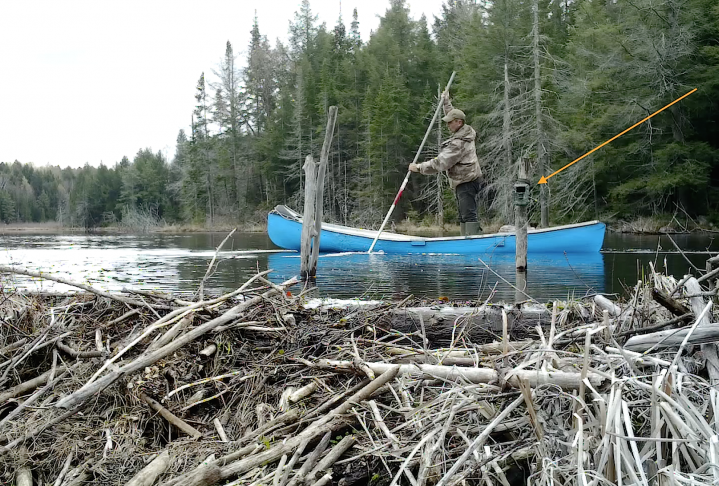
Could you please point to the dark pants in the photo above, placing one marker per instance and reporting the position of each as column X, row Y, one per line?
column 467, row 200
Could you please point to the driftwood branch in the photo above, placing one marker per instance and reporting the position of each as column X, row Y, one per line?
column 149, row 474
column 473, row 375
column 79, row 354
column 211, row 266
column 170, row 417
column 676, row 308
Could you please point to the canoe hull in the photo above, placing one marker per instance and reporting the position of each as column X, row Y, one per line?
column 583, row 238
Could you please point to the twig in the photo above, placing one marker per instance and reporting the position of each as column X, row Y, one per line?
column 682, row 253
column 79, row 354
column 201, row 291
column 220, row 430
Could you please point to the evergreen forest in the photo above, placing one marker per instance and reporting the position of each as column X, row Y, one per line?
column 540, row 80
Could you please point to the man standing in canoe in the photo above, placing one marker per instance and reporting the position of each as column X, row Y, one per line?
column 458, row 157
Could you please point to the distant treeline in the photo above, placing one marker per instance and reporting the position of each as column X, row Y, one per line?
column 540, row 80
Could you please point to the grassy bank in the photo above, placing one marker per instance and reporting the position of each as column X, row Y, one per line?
column 35, row 228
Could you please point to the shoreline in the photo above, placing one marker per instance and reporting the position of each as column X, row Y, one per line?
column 639, row 227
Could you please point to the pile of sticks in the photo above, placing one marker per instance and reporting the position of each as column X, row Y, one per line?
column 253, row 388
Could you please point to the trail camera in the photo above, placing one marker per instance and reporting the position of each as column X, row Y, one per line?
column 521, row 192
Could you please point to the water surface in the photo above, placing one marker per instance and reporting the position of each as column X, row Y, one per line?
column 177, row 263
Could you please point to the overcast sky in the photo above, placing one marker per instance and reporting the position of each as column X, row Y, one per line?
column 88, row 81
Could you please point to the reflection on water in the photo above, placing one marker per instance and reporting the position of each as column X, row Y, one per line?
column 178, row 262
column 463, row 277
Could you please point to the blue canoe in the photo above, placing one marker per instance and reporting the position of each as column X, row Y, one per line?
column 284, row 228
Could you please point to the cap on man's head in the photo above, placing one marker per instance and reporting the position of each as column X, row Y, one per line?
column 454, row 114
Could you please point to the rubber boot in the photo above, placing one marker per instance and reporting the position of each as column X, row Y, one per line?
column 462, row 229
column 473, row 229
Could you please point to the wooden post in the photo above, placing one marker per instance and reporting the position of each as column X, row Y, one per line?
column 520, row 282
column 520, row 223
column 314, row 195
column 308, row 217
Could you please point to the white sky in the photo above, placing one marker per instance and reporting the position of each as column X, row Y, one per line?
column 93, row 80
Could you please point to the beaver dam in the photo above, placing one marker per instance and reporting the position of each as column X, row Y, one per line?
column 256, row 387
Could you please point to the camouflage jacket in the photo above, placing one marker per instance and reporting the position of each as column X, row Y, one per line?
column 458, row 156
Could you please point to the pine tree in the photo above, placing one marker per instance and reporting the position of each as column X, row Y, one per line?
column 228, row 116
column 200, row 154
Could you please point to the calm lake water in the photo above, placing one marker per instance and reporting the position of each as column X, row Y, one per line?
column 177, row 263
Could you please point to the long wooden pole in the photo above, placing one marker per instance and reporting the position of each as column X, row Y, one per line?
column 520, row 223
column 406, row 178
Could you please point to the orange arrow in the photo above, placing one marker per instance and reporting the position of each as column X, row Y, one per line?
column 543, row 180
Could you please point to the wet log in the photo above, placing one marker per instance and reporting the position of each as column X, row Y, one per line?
column 477, row 322
column 662, row 298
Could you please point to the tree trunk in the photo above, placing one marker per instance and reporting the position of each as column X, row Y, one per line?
column 321, row 170
column 541, row 151
column 440, row 199
column 506, row 126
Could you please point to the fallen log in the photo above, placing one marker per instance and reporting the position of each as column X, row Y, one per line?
column 328, row 423
column 22, row 388
column 149, row 474
column 78, row 354
column 707, row 333
column 535, row 378
column 311, row 461
column 665, row 300
column 12, row 347
column 327, row 462
column 606, row 304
